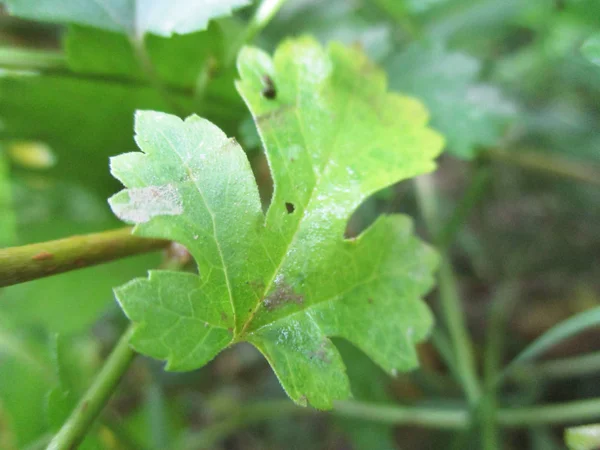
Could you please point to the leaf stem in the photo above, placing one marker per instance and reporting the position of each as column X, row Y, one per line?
column 559, row 368
column 501, row 306
column 449, row 297
column 261, row 18
column 553, row 165
column 77, row 425
column 477, row 187
column 30, row 262
column 28, row 59
column 456, row 418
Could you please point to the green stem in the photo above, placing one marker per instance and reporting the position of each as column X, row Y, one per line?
column 498, row 315
column 77, row 425
column 263, row 15
column 457, row 418
column 570, row 412
column 450, row 301
column 474, row 193
column 560, row 368
column 553, row 165
column 455, row 321
column 26, row 59
column 29, row 262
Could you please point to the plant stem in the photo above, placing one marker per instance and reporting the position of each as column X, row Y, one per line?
column 560, row 368
column 575, row 411
column 29, row 262
column 475, row 191
column 450, row 302
column 27, row 59
column 500, row 308
column 455, row 321
column 263, row 15
column 553, row 165
column 457, row 418
column 77, row 425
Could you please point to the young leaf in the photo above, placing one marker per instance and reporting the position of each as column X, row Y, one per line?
column 288, row 281
column 131, row 17
column 469, row 114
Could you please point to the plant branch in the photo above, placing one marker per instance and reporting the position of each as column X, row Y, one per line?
column 29, row 262
column 77, row 425
column 549, row 164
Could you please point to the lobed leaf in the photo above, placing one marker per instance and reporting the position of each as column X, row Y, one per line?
column 285, row 281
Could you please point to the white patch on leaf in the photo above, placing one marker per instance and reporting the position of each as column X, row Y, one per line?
column 145, row 203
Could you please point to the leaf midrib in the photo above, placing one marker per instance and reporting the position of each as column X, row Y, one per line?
column 212, row 216
column 297, row 110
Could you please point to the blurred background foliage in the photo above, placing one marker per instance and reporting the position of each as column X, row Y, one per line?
column 506, row 81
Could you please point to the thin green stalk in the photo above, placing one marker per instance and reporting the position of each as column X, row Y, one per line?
column 498, row 316
column 157, row 420
column 454, row 317
column 261, row 18
column 30, row 262
column 552, row 165
column 477, row 188
column 78, row 424
column 450, row 302
column 263, row 15
column 457, row 418
column 574, row 366
column 27, row 59
column 561, row 413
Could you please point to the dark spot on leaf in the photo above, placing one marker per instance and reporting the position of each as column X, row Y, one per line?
column 290, row 207
column 269, row 90
column 282, row 295
column 230, row 329
column 42, row 256
column 370, row 301
column 84, row 406
column 223, row 316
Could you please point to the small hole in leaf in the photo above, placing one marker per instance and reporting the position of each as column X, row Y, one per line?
column 269, row 90
column 290, row 207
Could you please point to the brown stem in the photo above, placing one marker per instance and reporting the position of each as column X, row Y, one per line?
column 29, row 262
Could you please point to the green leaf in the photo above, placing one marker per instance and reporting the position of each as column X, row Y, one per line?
column 469, row 114
column 586, row 437
column 131, row 17
column 288, row 281
column 591, row 49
